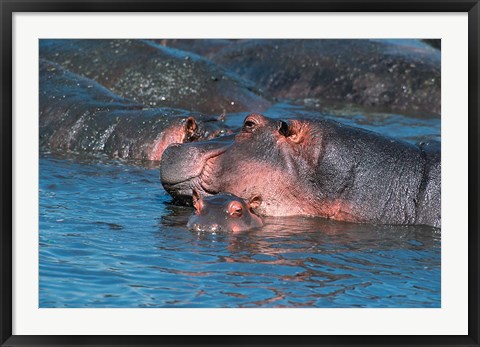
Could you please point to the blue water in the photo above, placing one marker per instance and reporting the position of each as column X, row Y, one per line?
column 110, row 237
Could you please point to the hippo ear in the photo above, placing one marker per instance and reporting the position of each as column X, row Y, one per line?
column 283, row 128
column 291, row 131
column 296, row 134
column 196, row 200
column 254, row 202
column 195, row 195
column 190, row 127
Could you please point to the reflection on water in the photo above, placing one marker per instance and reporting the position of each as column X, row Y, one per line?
column 109, row 237
column 302, row 262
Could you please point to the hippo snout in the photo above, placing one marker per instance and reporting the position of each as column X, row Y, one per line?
column 183, row 162
column 198, row 227
column 173, row 170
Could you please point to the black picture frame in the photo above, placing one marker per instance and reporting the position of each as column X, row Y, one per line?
column 8, row 7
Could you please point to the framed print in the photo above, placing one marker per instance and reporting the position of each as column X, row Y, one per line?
column 239, row 173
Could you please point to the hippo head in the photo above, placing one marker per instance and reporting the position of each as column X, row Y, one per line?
column 224, row 212
column 272, row 158
column 203, row 127
column 184, row 130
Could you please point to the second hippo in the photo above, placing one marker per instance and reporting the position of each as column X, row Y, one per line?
column 224, row 212
column 77, row 114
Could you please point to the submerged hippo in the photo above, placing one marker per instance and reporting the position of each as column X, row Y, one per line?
column 77, row 114
column 386, row 75
column 312, row 167
column 224, row 212
column 156, row 75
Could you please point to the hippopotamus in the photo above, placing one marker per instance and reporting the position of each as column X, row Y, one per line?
column 78, row 114
column 224, row 212
column 155, row 75
column 382, row 75
column 312, row 167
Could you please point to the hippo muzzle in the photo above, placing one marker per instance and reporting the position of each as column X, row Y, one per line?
column 181, row 164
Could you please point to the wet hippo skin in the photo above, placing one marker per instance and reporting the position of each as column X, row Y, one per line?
column 386, row 75
column 224, row 212
column 155, row 75
column 312, row 167
column 77, row 114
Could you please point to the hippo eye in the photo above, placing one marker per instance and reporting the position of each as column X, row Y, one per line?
column 237, row 212
column 249, row 125
column 235, row 209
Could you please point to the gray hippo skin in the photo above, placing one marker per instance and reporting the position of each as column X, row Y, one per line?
column 312, row 167
column 224, row 212
column 77, row 114
column 155, row 75
column 385, row 75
